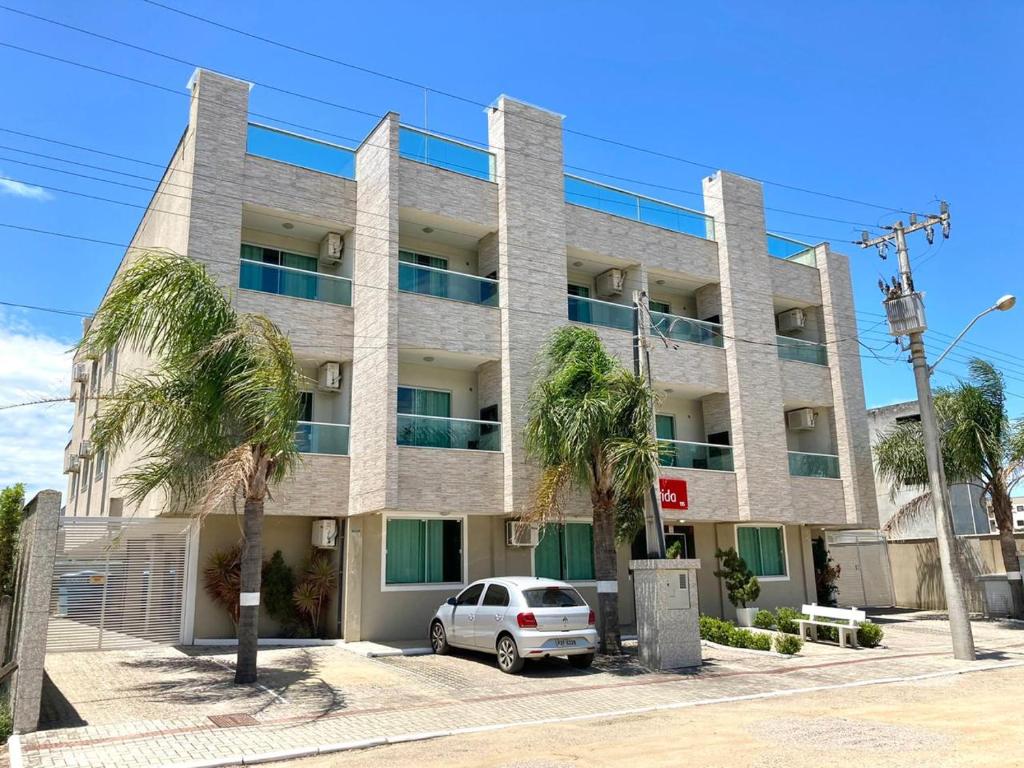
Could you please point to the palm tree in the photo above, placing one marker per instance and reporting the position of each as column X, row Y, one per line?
column 981, row 446
column 215, row 413
column 588, row 426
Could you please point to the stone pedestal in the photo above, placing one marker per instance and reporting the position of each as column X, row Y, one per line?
column 667, row 613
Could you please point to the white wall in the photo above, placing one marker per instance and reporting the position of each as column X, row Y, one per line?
column 461, row 384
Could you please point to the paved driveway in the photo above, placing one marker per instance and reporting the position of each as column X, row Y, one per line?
column 170, row 706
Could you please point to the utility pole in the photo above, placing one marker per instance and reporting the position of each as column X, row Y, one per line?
column 653, row 527
column 904, row 307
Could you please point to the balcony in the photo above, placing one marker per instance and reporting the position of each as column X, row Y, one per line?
column 790, row 250
column 322, row 438
column 686, row 329
column 431, row 149
column 629, row 205
column 596, row 312
column 445, row 284
column 297, row 283
column 802, row 351
column 813, row 464
column 687, row 455
column 447, row 432
column 301, row 151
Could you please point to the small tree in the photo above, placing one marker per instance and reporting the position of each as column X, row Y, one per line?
column 12, row 504
column 741, row 584
column 318, row 581
column 222, row 580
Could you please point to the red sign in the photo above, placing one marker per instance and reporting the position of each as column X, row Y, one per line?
column 673, row 493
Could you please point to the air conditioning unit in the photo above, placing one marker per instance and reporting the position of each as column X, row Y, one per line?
column 72, row 464
column 85, row 449
column 325, row 533
column 791, row 320
column 79, row 372
column 610, row 283
column 800, row 420
column 331, row 248
column 520, row 534
column 329, row 377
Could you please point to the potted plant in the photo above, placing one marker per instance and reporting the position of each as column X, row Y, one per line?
column 741, row 585
column 675, row 550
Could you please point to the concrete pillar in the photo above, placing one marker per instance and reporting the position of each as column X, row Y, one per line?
column 667, row 613
column 352, row 588
column 852, row 438
column 374, row 484
column 527, row 142
column 755, row 379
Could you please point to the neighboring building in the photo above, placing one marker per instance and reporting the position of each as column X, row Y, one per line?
column 1018, row 513
column 457, row 264
column 970, row 514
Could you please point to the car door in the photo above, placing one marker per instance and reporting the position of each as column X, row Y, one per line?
column 464, row 616
column 490, row 616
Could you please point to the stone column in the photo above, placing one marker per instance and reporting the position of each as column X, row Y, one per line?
column 667, row 613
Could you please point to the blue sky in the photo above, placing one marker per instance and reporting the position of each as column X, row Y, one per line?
column 892, row 103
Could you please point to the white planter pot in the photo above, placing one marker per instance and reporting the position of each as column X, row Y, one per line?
column 745, row 616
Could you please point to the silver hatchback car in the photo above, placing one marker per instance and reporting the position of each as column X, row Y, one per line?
column 517, row 618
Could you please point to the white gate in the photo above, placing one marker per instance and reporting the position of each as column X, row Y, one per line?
column 119, row 583
column 866, row 576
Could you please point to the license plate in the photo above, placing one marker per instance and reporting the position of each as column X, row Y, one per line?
column 565, row 643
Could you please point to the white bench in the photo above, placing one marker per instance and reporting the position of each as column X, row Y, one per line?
column 847, row 632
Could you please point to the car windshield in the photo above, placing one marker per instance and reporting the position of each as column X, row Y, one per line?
column 552, row 597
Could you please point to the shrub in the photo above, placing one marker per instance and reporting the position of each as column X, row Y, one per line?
column 760, row 641
column 828, row 632
column 715, row 630
column 787, row 620
column 764, row 619
column 788, row 644
column 12, row 502
column 6, row 722
column 741, row 584
column 869, row 634
column 318, row 582
column 675, row 550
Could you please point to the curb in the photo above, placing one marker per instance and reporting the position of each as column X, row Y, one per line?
column 14, row 754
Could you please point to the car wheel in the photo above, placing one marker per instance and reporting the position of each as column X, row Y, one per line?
column 439, row 639
column 582, row 661
column 509, row 660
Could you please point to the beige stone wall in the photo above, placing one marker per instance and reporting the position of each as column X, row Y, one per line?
column 459, row 198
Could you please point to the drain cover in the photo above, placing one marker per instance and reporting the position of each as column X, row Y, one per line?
column 233, row 721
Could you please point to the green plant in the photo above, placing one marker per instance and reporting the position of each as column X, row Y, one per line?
column 588, row 428
column 216, row 408
column 741, row 584
column 826, row 573
column 715, row 630
column 764, row 619
column 6, row 722
column 277, row 590
column 222, row 579
column 12, row 504
column 674, row 550
column 869, row 634
column 759, row 641
column 318, row 581
column 787, row 620
column 788, row 644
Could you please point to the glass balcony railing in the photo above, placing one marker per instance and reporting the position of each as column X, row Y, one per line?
column 686, row 329
column 813, row 464
column 804, row 351
column 790, row 250
column 429, row 148
column 595, row 312
column 442, row 432
column 291, row 148
column 629, row 205
column 445, row 284
column 318, row 437
column 298, row 283
column 679, row 453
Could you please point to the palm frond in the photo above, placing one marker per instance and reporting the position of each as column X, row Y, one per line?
column 909, row 518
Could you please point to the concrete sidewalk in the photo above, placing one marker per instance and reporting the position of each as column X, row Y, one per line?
column 326, row 699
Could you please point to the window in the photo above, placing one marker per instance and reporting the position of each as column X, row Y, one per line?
column 496, row 595
column 579, row 311
column 565, row 552
column 1020, row 507
column 305, row 406
column 660, row 306
column 101, row 465
column 552, row 597
column 74, row 484
column 470, row 595
column 424, row 432
column 283, row 281
column 763, row 549
column 427, row 281
column 422, row 551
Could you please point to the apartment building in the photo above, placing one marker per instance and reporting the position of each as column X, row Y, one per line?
column 418, row 278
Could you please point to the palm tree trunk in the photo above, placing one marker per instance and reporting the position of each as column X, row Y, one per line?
column 606, row 570
column 249, row 608
column 1002, row 507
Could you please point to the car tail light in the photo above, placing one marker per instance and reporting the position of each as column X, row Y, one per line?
column 591, row 619
column 526, row 621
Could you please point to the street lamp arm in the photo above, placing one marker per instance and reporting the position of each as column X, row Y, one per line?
column 933, row 366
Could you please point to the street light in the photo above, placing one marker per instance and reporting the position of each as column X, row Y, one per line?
column 1005, row 302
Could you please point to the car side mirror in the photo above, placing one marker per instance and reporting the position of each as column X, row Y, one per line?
column 450, row 601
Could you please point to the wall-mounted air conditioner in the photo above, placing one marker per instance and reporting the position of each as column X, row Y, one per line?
column 85, row 449
column 325, row 533
column 72, row 464
column 328, row 377
column 520, row 534
column 800, row 420
column 791, row 320
column 331, row 248
column 610, row 283
column 79, row 372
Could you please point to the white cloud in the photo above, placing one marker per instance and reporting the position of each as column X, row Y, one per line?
column 20, row 189
column 33, row 366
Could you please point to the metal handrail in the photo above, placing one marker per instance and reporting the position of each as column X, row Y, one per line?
column 448, row 271
column 693, row 442
column 425, row 132
column 450, row 418
column 800, row 341
column 307, row 272
column 711, row 326
column 808, row 453
column 601, row 301
column 324, row 424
